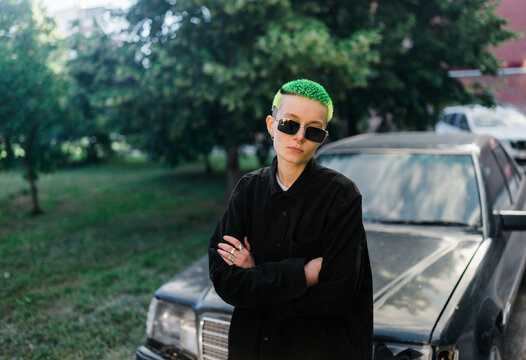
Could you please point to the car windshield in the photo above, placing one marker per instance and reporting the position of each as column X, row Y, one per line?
column 424, row 189
column 498, row 117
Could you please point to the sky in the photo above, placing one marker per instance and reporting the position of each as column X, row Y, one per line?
column 55, row 5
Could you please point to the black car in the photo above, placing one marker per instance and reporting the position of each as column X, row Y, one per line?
column 443, row 215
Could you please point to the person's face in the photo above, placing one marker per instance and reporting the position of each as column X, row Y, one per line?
column 296, row 148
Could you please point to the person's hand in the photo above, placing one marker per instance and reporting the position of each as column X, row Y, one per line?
column 236, row 253
column 312, row 271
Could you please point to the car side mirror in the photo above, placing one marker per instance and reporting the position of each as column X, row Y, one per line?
column 511, row 219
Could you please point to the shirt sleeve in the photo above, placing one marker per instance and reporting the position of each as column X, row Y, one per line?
column 342, row 270
column 266, row 283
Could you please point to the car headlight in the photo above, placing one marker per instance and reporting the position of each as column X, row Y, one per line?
column 172, row 324
column 402, row 351
column 508, row 144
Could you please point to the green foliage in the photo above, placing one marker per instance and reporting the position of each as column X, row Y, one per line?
column 102, row 79
column 212, row 68
column 30, row 90
column 28, row 87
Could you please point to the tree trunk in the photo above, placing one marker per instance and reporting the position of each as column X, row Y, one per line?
column 352, row 128
column 10, row 155
column 31, row 171
column 208, row 165
column 92, row 156
column 232, row 170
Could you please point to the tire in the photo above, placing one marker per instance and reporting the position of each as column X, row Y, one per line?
column 495, row 353
column 495, row 350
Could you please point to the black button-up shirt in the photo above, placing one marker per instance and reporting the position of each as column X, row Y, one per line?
column 276, row 315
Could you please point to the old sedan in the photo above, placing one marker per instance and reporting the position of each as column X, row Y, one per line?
column 444, row 216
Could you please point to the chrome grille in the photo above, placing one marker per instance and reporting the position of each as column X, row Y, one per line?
column 214, row 338
column 518, row 144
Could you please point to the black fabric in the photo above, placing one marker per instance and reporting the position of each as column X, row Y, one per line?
column 276, row 316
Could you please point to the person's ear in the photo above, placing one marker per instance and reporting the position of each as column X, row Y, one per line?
column 270, row 125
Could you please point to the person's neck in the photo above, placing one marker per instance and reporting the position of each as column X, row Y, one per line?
column 289, row 172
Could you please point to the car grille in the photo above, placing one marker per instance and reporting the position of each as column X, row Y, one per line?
column 520, row 144
column 214, row 338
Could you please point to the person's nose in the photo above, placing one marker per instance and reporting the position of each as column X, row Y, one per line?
column 300, row 135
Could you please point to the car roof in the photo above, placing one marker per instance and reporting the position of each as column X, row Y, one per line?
column 473, row 108
column 447, row 143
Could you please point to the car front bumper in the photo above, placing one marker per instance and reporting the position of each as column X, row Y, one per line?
column 143, row 352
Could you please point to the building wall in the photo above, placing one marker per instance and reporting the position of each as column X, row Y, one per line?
column 510, row 86
column 509, row 89
column 513, row 53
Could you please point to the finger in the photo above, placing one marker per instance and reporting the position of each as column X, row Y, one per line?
column 226, row 247
column 228, row 262
column 247, row 244
column 225, row 256
column 232, row 240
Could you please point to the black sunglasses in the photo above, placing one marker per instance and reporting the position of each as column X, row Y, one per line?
column 291, row 127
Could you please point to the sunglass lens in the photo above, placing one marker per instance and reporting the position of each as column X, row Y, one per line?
column 288, row 126
column 314, row 134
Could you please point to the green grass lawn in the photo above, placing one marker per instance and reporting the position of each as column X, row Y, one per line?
column 76, row 282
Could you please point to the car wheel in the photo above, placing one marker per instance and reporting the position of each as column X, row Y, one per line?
column 495, row 353
column 495, row 350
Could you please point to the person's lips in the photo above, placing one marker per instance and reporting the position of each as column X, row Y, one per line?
column 295, row 150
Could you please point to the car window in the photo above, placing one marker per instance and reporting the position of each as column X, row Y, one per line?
column 449, row 119
column 463, row 122
column 412, row 187
column 484, row 117
column 508, row 170
column 498, row 195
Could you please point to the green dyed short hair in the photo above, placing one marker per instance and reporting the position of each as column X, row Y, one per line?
column 306, row 88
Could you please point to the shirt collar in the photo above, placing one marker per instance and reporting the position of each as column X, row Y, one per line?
column 295, row 189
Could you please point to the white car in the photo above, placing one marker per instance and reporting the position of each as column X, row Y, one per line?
column 505, row 123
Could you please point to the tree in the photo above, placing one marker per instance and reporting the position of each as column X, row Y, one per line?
column 29, row 89
column 421, row 42
column 212, row 68
column 102, row 79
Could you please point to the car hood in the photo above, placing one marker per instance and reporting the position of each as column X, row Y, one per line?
column 503, row 132
column 415, row 270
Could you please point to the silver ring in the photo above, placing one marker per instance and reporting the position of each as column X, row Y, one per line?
column 232, row 258
column 233, row 251
column 240, row 247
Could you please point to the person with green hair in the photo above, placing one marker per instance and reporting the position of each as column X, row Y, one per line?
column 290, row 251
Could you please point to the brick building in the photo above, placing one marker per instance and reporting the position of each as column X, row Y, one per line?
column 510, row 86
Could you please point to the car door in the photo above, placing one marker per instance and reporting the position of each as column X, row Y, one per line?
column 514, row 255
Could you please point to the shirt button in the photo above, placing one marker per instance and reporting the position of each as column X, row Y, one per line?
column 284, row 212
column 279, row 245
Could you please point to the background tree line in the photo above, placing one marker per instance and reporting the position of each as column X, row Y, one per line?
column 189, row 75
